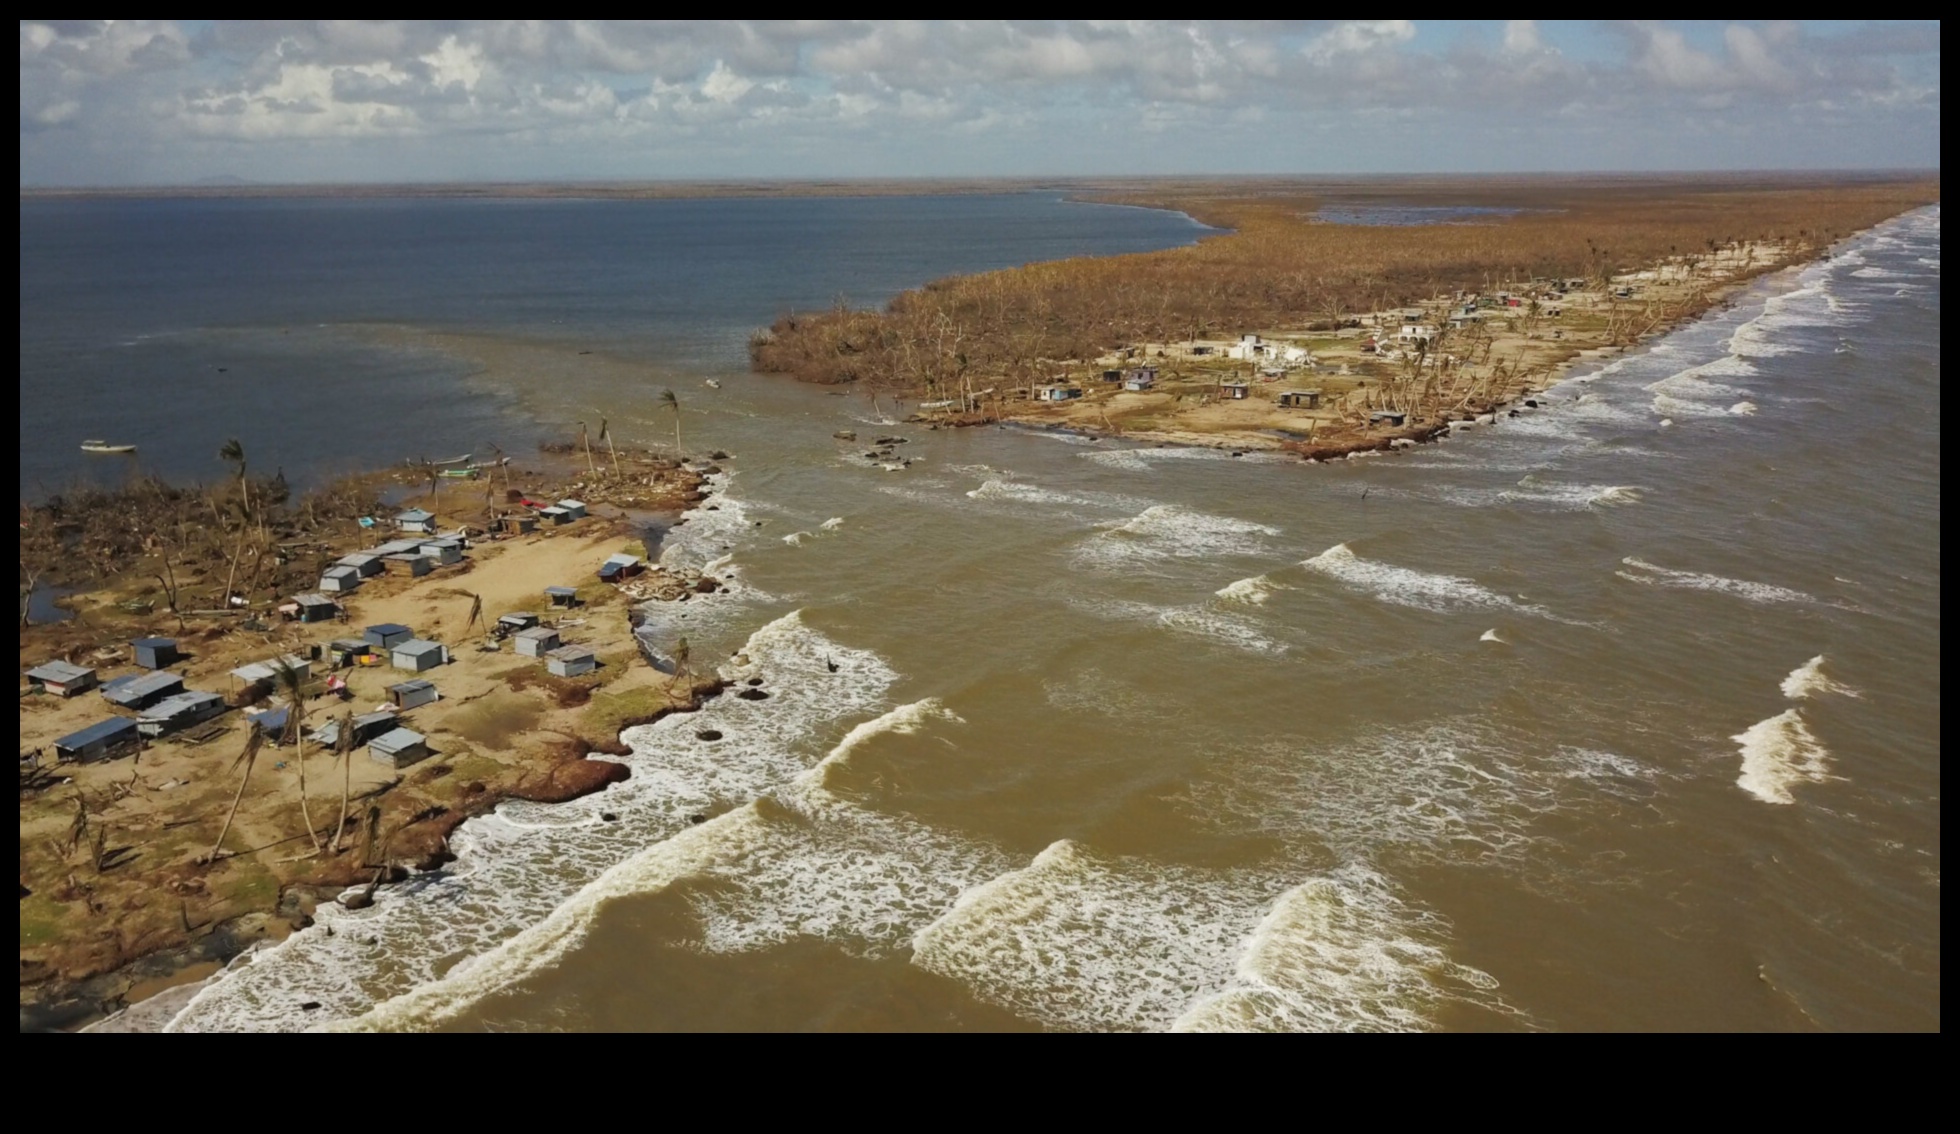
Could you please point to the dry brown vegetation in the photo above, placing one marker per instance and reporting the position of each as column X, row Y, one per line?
column 1276, row 265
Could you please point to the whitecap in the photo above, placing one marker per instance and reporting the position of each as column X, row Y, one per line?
column 1809, row 680
column 1743, row 409
column 1490, row 636
column 1258, row 590
column 1777, row 755
column 1404, row 586
column 1167, row 531
column 1651, row 575
column 833, row 523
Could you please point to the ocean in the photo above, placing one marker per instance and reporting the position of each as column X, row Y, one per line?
column 1619, row 714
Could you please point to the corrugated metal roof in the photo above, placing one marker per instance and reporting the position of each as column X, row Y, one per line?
column 59, row 672
column 415, row 514
column 395, row 740
column 180, row 704
column 314, row 600
column 415, row 647
column 537, row 633
column 571, row 653
column 389, row 628
column 561, row 590
column 155, row 643
column 99, row 731
column 129, row 690
column 414, row 686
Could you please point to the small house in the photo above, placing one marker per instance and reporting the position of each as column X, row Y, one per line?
column 400, row 747
column 1056, row 392
column 523, row 525
column 266, row 673
column 1300, row 399
column 339, row 580
column 63, row 679
column 575, row 507
column 418, row 654
column 414, row 564
column 1387, row 417
column 155, row 653
column 1138, row 383
column 571, row 661
column 366, row 727
column 1234, row 391
column 562, row 596
column 416, row 520
column 1417, row 334
column 411, row 694
column 349, row 651
column 621, row 566
column 444, row 551
column 273, row 722
column 511, row 623
column 1112, row 375
column 366, row 564
column 98, row 741
column 537, row 641
column 387, row 635
column 554, row 515
column 179, row 711
column 310, row 608
column 140, row 691
column 1200, row 351
column 396, row 547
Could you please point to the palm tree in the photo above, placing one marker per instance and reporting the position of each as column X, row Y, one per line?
column 246, row 759
column 292, row 683
column 233, row 453
column 669, row 401
column 343, row 747
column 585, row 439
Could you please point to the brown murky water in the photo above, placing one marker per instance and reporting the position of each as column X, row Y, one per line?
column 1622, row 714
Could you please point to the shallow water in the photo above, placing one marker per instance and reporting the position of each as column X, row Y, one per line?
column 1620, row 714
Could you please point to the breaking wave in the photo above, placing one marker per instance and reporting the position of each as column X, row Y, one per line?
column 1650, row 575
column 1777, row 755
column 1166, row 531
column 1403, row 586
column 1258, row 590
column 1809, row 680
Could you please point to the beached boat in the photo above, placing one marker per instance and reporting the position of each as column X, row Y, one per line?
column 469, row 473
column 462, row 460
column 106, row 447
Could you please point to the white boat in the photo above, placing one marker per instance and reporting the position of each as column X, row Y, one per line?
column 98, row 446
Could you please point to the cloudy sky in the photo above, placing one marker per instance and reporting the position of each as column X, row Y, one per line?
column 176, row 102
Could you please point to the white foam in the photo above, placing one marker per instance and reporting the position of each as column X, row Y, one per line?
column 1777, row 755
column 1341, row 953
column 1144, row 460
column 1403, row 586
column 522, row 893
column 1022, row 492
column 902, row 721
column 833, row 523
column 1200, row 621
column 1809, row 680
column 1490, row 636
column 1534, row 493
column 1743, row 409
column 1257, row 590
column 1167, row 531
column 795, row 539
column 1654, row 576
column 1875, row 273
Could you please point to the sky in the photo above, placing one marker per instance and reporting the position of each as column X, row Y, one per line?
column 120, row 103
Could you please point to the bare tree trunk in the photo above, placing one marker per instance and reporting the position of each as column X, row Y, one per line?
column 344, row 746
column 246, row 758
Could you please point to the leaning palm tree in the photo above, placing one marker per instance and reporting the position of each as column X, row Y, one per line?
column 233, row 453
column 291, row 681
column 254, row 737
column 669, row 401
column 343, row 747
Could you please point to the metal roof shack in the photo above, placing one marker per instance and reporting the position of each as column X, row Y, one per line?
column 398, row 748
column 575, row 507
column 61, row 678
column 523, row 525
column 1056, row 392
column 621, row 566
column 99, row 740
column 1234, row 391
column 1387, row 417
column 418, row 654
column 267, row 672
column 412, row 694
column 180, row 711
column 310, row 608
column 393, row 547
column 444, row 551
column 416, row 520
column 1300, row 399
column 537, row 641
column 366, row 564
column 347, row 651
column 155, row 653
column 386, row 634
column 414, row 564
column 366, row 727
column 140, row 691
column 339, row 580
column 556, row 515
column 562, row 596
column 516, row 620
column 571, row 661
column 272, row 722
